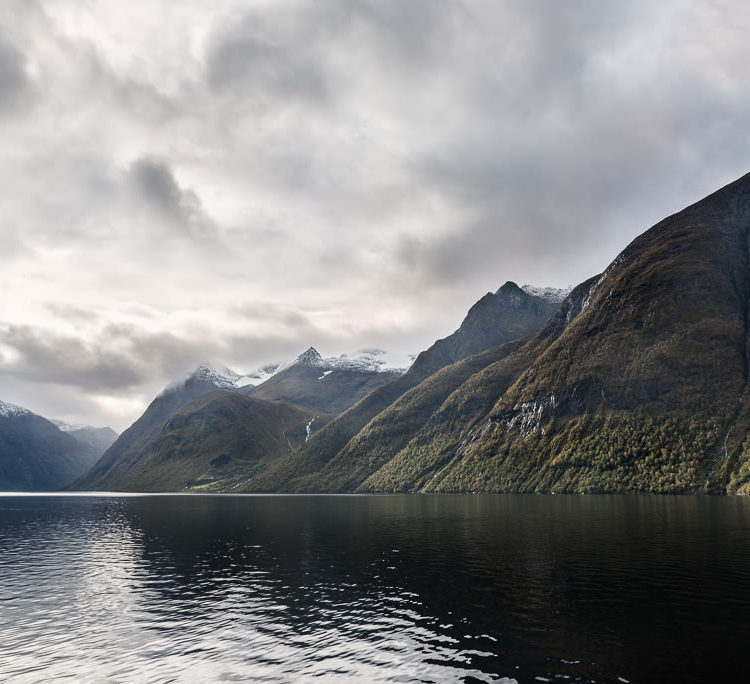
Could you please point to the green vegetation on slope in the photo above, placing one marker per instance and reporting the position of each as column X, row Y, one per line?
column 382, row 438
column 217, row 441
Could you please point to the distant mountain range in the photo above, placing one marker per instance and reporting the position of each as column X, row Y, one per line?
column 177, row 442
column 37, row 455
column 634, row 381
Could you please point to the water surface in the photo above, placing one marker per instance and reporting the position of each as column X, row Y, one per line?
column 387, row 588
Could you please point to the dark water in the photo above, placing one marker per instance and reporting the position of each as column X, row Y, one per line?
column 402, row 588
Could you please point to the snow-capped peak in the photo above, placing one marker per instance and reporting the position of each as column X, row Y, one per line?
column 551, row 294
column 71, row 427
column 367, row 360
column 11, row 410
column 310, row 357
column 223, row 377
column 220, row 376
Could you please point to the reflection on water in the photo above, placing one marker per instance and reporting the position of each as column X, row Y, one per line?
column 396, row 588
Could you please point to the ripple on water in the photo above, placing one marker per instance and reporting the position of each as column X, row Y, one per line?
column 394, row 589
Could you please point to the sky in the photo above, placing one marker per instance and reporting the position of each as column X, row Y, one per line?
column 235, row 181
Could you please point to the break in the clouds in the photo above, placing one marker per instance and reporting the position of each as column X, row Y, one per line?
column 237, row 180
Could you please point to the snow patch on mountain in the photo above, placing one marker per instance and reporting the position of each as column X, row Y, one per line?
column 71, row 427
column 366, row 360
column 11, row 410
column 222, row 377
column 550, row 294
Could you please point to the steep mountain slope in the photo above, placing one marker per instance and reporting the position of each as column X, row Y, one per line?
column 428, row 450
column 216, row 441
column 328, row 386
column 645, row 389
column 506, row 315
column 35, row 455
column 134, row 444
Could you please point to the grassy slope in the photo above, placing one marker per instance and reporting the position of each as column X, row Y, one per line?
column 217, row 441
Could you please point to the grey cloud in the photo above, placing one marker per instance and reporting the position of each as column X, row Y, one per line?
column 13, row 78
column 286, row 316
column 276, row 55
column 265, row 59
column 48, row 357
column 119, row 357
column 124, row 357
column 154, row 182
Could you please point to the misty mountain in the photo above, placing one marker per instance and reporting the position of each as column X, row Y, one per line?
column 35, row 455
column 99, row 439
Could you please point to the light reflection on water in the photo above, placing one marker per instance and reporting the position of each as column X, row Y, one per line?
column 464, row 588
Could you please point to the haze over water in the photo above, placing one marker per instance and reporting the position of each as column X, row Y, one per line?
column 391, row 588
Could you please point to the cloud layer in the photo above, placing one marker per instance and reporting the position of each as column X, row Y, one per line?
column 238, row 180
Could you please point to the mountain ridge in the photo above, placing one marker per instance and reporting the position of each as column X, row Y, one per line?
column 35, row 455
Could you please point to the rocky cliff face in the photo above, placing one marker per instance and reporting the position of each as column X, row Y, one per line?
column 503, row 316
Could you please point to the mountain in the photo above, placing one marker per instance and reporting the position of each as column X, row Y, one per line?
column 99, row 439
column 509, row 314
column 636, row 382
column 216, row 442
column 35, row 455
column 134, row 444
column 639, row 383
column 310, row 387
column 328, row 386
column 497, row 318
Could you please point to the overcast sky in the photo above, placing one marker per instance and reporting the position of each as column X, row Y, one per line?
column 236, row 180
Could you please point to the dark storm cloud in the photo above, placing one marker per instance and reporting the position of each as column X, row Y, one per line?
column 154, row 182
